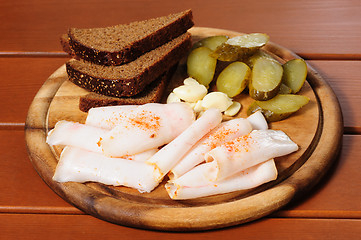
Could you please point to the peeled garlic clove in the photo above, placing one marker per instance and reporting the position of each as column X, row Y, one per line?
column 173, row 98
column 191, row 104
column 190, row 81
column 233, row 109
column 190, row 93
column 217, row 100
column 198, row 106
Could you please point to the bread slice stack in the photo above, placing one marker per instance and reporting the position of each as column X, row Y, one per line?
column 127, row 64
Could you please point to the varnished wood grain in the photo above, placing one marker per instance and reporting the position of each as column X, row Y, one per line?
column 345, row 81
column 20, row 80
column 21, row 188
column 29, row 226
column 150, row 212
column 312, row 27
column 337, row 194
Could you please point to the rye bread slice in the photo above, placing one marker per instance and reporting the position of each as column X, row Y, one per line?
column 151, row 94
column 131, row 78
column 124, row 43
column 64, row 42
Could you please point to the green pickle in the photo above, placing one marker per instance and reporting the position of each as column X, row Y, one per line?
column 233, row 79
column 211, row 42
column 240, row 47
column 201, row 66
column 271, row 84
column 284, row 89
column 279, row 107
column 266, row 79
column 294, row 74
column 250, row 61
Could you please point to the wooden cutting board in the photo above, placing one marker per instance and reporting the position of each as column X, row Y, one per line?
column 317, row 129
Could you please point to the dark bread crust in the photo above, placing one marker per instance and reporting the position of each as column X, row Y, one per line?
column 136, row 48
column 151, row 94
column 140, row 74
column 64, row 41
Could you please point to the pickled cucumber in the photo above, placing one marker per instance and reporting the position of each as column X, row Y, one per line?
column 294, row 74
column 240, row 47
column 284, row 89
column 279, row 107
column 201, row 66
column 266, row 79
column 211, row 42
column 233, row 79
column 250, row 61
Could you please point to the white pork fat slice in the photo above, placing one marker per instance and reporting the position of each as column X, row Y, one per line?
column 258, row 121
column 78, row 165
column 224, row 132
column 195, row 184
column 249, row 150
column 141, row 157
column 145, row 127
column 67, row 133
column 168, row 156
column 76, row 135
column 108, row 117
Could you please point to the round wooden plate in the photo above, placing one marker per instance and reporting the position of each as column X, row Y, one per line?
column 317, row 129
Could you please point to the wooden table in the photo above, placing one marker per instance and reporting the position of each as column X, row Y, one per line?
column 325, row 33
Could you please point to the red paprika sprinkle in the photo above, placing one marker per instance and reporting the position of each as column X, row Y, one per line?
column 239, row 144
column 219, row 136
column 145, row 120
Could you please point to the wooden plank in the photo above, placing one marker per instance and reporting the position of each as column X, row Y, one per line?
column 21, row 79
column 344, row 78
column 336, row 196
column 311, row 28
column 30, row 226
column 22, row 190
